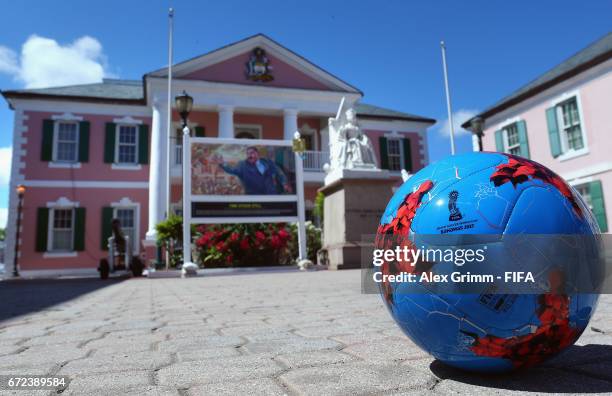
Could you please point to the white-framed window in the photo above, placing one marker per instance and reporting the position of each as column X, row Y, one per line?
column 61, row 230
column 126, row 151
column 127, row 221
column 66, row 142
column 570, row 128
column 585, row 192
column 512, row 140
column 310, row 137
column 394, row 154
column 247, row 131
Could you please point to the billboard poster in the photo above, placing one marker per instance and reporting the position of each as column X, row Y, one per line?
column 234, row 180
column 242, row 169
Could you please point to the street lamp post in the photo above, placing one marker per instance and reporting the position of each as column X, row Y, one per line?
column 477, row 128
column 299, row 146
column 20, row 193
column 184, row 104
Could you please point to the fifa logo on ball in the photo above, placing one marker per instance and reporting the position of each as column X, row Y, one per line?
column 455, row 214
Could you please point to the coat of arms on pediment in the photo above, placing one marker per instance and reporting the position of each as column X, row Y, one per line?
column 258, row 67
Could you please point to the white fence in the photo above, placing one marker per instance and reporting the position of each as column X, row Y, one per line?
column 314, row 160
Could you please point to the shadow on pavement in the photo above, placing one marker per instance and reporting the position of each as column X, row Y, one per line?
column 20, row 297
column 579, row 369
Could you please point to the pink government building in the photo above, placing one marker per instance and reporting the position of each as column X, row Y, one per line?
column 563, row 120
column 91, row 153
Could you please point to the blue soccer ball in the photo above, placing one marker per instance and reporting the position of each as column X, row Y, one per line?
column 509, row 199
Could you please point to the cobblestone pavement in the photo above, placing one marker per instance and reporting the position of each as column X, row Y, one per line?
column 308, row 333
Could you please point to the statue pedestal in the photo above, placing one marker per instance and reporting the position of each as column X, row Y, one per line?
column 354, row 202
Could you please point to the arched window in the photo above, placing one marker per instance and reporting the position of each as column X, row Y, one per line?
column 247, row 131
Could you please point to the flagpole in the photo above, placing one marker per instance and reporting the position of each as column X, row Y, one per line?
column 169, row 124
column 448, row 100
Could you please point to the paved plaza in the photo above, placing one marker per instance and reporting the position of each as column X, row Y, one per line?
column 310, row 333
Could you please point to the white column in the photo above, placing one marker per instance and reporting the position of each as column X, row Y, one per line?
column 157, row 168
column 290, row 123
column 226, row 121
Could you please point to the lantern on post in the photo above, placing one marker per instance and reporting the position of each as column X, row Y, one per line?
column 184, row 104
column 299, row 144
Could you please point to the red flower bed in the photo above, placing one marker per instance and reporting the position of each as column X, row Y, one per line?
column 226, row 245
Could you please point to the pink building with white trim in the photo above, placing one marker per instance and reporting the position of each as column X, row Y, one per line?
column 90, row 153
column 563, row 120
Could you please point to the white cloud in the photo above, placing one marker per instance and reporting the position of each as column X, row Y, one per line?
column 5, row 174
column 459, row 117
column 5, row 165
column 45, row 63
column 8, row 61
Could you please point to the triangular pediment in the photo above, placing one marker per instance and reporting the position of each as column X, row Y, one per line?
column 257, row 60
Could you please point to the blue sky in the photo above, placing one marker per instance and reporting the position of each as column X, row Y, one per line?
column 389, row 49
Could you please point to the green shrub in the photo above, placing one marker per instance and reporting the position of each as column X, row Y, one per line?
column 170, row 237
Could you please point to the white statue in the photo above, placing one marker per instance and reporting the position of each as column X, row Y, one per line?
column 349, row 147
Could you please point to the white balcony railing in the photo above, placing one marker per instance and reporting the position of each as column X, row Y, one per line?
column 313, row 160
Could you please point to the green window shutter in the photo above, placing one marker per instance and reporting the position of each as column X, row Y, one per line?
column 597, row 200
column 79, row 229
column 109, row 142
column 200, row 131
column 499, row 141
column 84, row 141
column 107, row 230
column 553, row 132
column 384, row 159
column 42, row 229
column 407, row 155
column 524, row 143
column 143, row 144
column 46, row 152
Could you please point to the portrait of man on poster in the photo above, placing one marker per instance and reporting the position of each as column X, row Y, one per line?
column 259, row 176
